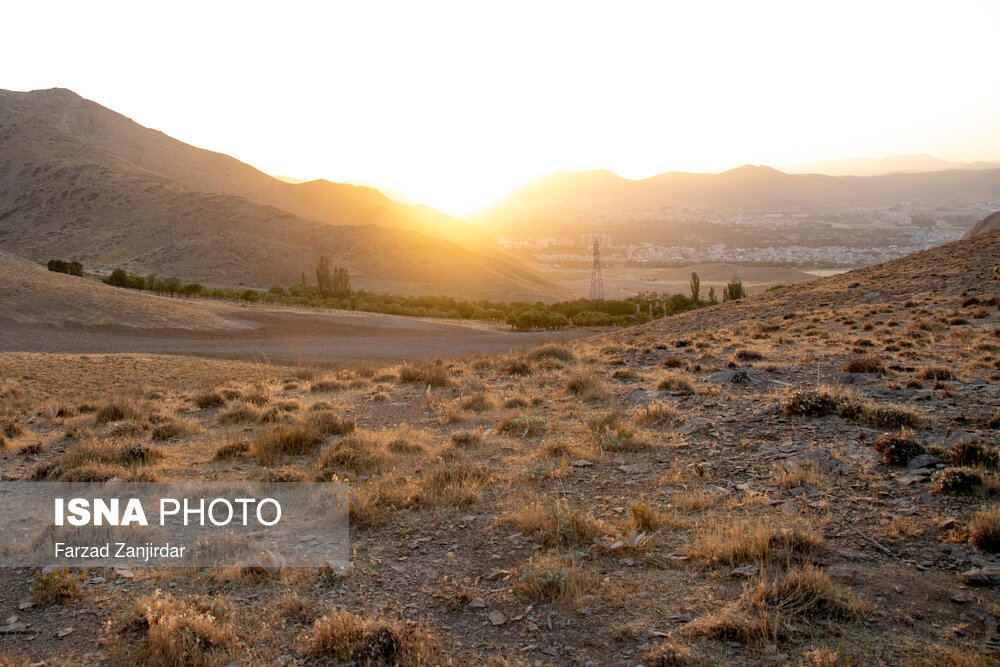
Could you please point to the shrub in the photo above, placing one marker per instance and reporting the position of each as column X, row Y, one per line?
column 208, row 399
column 361, row 452
column 557, row 352
column 345, row 638
column 897, row 450
column 58, row 586
column 984, row 529
column 869, row 363
column 552, row 578
column 676, row 382
column 240, row 414
column 524, row 427
column 555, row 522
column 969, row 452
column 326, row 386
column 811, row 403
column 120, row 409
column 274, row 444
column 958, row 481
column 935, row 373
column 235, row 448
column 327, row 422
column 674, row 362
column 736, row 542
column 433, row 374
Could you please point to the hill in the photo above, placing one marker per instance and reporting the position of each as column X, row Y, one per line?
column 202, row 170
column 807, row 476
column 63, row 197
column 987, row 224
column 42, row 311
column 893, row 164
column 748, row 189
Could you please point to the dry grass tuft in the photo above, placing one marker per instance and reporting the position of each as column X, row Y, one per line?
column 451, row 485
column 346, row 638
column 680, row 382
column 98, row 461
column 553, row 578
column 434, row 374
column 169, row 631
column 361, row 452
column 550, row 352
column 273, row 444
column 984, row 529
column 936, row 373
column 733, row 541
column 327, row 422
column 208, row 399
column 869, row 363
column 175, row 428
column 897, row 450
column 659, row 416
column 811, row 403
column 239, row 414
column 672, row 654
column 235, row 448
column 555, row 522
column 769, row 611
column 586, row 386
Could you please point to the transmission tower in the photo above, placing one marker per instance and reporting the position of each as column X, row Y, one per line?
column 596, row 281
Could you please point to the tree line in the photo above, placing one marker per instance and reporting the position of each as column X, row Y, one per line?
column 333, row 290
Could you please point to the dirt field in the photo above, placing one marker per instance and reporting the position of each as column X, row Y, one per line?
column 806, row 477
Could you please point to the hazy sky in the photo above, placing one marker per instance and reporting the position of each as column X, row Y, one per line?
column 455, row 103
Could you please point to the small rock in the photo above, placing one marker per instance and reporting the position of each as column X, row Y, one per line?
column 477, row 603
column 988, row 575
column 496, row 617
column 64, row 632
column 582, row 463
column 744, row 571
column 948, row 523
column 13, row 628
column 844, row 573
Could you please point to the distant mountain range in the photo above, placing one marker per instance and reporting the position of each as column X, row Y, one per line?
column 893, row 164
column 81, row 182
column 749, row 189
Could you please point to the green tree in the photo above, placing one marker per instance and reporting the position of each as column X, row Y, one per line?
column 734, row 291
column 712, row 296
column 695, row 287
column 323, row 278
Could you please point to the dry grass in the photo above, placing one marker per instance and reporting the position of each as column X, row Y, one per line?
column 897, row 450
column 235, row 448
column 434, row 374
column 95, row 460
column 346, row 638
column 732, row 541
column 555, row 522
column 586, row 386
column 811, row 403
column 551, row 352
column 183, row 631
column 272, row 445
column 869, row 363
column 984, row 529
column 451, row 485
column 175, row 428
column 239, row 414
column 676, row 381
column 208, row 399
column 553, row 578
column 767, row 611
column 361, row 452
column 121, row 409
column 327, row 422
column 659, row 416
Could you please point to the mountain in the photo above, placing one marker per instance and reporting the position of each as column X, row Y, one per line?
column 747, row 189
column 987, row 224
column 61, row 196
column 206, row 171
column 893, row 164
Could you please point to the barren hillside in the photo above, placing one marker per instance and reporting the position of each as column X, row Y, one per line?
column 63, row 198
column 806, row 477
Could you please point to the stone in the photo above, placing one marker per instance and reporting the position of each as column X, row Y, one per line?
column 845, row 573
column 642, row 398
column 988, row 575
column 924, row 461
column 496, row 617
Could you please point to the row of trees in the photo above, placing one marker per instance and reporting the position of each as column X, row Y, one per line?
column 62, row 266
column 333, row 290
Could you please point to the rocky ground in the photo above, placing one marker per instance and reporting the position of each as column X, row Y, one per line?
column 808, row 476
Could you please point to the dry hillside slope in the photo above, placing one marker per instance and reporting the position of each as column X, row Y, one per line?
column 207, row 171
column 63, row 198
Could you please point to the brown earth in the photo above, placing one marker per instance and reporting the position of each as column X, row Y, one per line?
column 538, row 508
column 62, row 197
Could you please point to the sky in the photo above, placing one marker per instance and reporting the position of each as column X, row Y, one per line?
column 455, row 104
